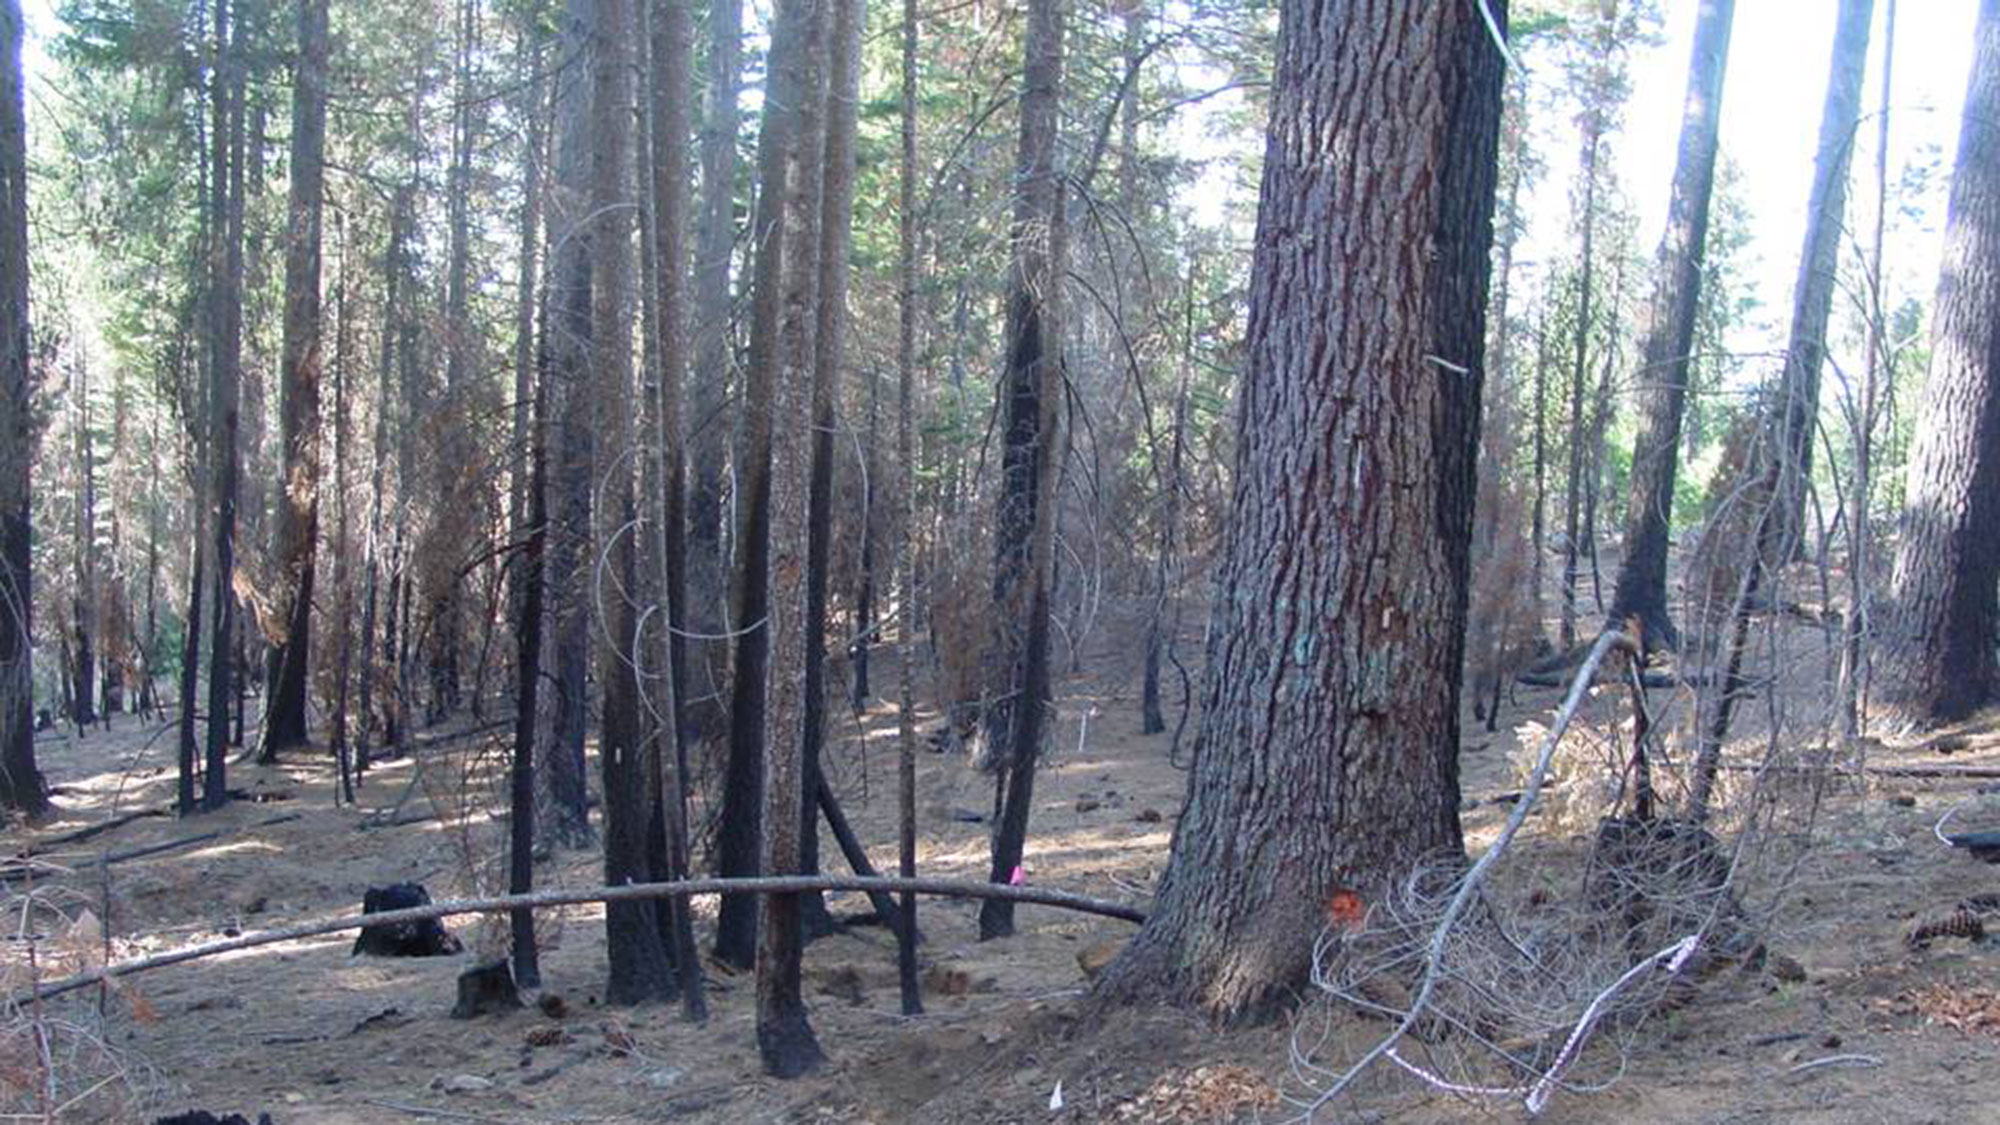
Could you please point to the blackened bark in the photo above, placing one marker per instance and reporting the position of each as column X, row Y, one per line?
column 835, row 219
column 739, row 832
column 21, row 785
column 709, row 424
column 298, row 506
column 1326, row 761
column 225, row 357
column 1024, row 517
column 906, row 587
column 1641, row 592
column 1941, row 665
column 528, row 677
column 640, row 969
column 672, row 47
column 567, row 331
column 785, row 1039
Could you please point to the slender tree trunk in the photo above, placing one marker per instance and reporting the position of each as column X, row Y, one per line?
column 709, row 426
column 298, row 507
column 226, row 325
column 785, row 1039
column 1853, row 686
column 1946, row 589
column 528, row 670
column 834, row 226
column 1641, row 592
column 21, row 785
column 1340, row 597
column 567, row 330
column 1024, row 517
column 343, row 546
column 906, row 586
column 741, row 827
column 666, row 177
column 1593, row 142
column 640, row 968
column 83, row 604
column 1812, row 297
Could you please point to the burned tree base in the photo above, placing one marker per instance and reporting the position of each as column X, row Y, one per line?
column 486, row 990
column 427, row 938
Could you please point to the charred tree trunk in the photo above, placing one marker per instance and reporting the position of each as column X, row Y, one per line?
column 21, row 785
column 225, row 357
column 740, row 830
column 709, row 427
column 906, row 538
column 834, row 226
column 1641, row 592
column 567, row 333
column 1946, row 590
column 1343, row 591
column 785, row 1039
column 672, row 47
column 298, row 505
column 1024, row 520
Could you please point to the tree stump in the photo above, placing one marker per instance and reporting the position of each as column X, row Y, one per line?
column 427, row 938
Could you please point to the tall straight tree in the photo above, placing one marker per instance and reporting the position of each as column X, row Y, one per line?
column 571, row 439
column 640, row 968
column 1669, row 338
column 672, row 57
column 1024, row 509
column 21, row 786
column 1941, row 665
column 225, row 301
column 298, row 504
column 708, row 416
column 906, row 587
column 1326, row 761
column 740, row 833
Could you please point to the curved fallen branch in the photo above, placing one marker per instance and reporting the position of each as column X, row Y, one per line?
column 635, row 892
column 1434, row 954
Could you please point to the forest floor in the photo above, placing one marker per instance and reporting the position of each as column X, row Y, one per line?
column 308, row 1033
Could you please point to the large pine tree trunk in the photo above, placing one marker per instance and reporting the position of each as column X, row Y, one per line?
column 1327, row 756
column 298, row 506
column 1017, row 657
column 21, row 785
column 1941, row 664
column 83, row 602
column 1641, row 592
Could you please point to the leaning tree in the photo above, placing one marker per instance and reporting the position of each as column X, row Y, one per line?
column 1326, row 761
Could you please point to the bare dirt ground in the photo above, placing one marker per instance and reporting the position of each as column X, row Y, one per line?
column 307, row 1033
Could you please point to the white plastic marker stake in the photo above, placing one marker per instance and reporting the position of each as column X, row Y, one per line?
column 1055, row 1097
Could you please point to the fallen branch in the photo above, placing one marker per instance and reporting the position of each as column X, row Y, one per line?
column 16, row 872
column 86, row 832
column 634, row 892
column 1434, row 955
